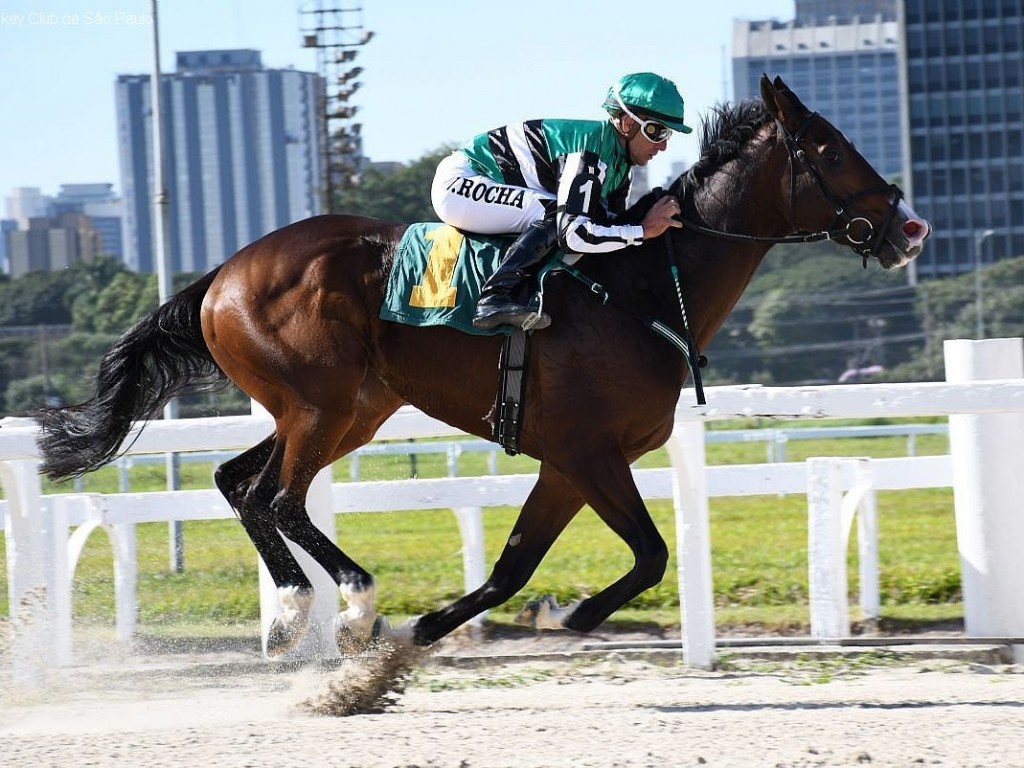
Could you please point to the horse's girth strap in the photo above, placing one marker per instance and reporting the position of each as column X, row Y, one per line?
column 508, row 422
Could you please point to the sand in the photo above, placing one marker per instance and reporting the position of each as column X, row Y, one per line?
column 528, row 702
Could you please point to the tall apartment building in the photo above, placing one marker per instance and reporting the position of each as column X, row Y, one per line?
column 964, row 70
column 844, row 10
column 841, row 58
column 242, row 145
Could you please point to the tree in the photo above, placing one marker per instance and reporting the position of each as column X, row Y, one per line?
column 117, row 306
column 395, row 194
column 810, row 313
column 36, row 298
column 28, row 394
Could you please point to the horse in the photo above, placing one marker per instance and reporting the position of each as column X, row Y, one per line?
column 292, row 319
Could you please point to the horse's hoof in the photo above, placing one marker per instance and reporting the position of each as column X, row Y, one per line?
column 535, row 609
column 292, row 623
column 352, row 641
column 545, row 613
column 282, row 637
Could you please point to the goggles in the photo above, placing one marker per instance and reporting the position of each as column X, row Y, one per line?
column 651, row 130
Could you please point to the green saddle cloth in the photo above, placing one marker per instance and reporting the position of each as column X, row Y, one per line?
column 437, row 277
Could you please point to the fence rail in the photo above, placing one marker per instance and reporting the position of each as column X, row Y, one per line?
column 775, row 439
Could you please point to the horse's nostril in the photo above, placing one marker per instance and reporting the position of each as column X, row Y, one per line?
column 913, row 229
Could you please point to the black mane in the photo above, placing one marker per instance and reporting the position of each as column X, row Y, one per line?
column 723, row 134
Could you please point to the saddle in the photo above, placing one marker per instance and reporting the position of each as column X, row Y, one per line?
column 438, row 274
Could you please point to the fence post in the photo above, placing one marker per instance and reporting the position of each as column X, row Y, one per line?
column 826, row 567
column 693, row 543
column 31, row 588
column 863, row 501
column 987, row 488
column 471, row 527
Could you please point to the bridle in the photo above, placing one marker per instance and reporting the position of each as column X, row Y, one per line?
column 867, row 243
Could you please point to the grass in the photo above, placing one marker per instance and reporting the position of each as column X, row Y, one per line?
column 759, row 551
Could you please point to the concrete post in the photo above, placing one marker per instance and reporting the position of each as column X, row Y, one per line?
column 987, row 488
column 474, row 568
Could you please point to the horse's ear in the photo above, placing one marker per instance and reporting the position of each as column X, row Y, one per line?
column 767, row 91
column 783, row 104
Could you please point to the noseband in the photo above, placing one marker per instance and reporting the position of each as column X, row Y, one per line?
column 859, row 232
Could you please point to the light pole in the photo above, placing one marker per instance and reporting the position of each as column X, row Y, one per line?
column 979, row 241
column 164, row 277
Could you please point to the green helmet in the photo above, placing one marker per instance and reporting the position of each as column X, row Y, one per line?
column 651, row 96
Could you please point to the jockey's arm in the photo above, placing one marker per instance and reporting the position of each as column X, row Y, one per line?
column 582, row 217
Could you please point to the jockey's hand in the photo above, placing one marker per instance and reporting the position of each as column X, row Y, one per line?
column 661, row 217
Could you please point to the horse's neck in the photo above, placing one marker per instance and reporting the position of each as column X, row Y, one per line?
column 740, row 197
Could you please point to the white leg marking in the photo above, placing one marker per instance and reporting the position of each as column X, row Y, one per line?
column 362, row 606
column 545, row 613
column 292, row 623
column 354, row 627
column 551, row 616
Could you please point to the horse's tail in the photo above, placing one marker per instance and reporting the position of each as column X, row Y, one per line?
column 160, row 357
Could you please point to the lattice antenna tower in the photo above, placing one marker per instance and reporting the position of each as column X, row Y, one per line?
column 335, row 29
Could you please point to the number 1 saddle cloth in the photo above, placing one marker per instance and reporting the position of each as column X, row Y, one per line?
column 438, row 274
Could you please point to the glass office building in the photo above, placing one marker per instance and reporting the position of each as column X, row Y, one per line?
column 844, row 66
column 964, row 73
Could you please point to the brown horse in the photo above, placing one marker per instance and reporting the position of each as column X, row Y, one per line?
column 293, row 320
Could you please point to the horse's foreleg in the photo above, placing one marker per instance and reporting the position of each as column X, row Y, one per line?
column 609, row 488
column 551, row 505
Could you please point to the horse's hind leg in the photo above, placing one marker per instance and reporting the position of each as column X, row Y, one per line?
column 309, row 438
column 249, row 482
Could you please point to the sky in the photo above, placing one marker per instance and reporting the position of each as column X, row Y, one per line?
column 435, row 73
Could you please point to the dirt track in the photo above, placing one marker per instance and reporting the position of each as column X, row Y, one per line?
column 468, row 710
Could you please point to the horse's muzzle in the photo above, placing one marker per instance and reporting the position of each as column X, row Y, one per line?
column 905, row 238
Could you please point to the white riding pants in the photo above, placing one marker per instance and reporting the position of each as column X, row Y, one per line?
column 465, row 199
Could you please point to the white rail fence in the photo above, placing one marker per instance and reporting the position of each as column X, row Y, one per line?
column 986, row 425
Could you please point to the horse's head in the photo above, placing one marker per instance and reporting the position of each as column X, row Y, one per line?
column 831, row 184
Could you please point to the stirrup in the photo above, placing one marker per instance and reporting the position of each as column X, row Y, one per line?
column 511, row 314
column 539, row 319
column 536, row 321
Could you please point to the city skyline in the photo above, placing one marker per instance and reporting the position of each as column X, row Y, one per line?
column 429, row 79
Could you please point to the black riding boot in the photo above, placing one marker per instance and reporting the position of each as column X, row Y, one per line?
column 497, row 304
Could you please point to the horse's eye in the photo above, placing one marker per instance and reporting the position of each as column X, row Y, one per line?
column 832, row 156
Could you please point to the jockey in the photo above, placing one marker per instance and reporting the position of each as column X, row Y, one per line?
column 559, row 182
